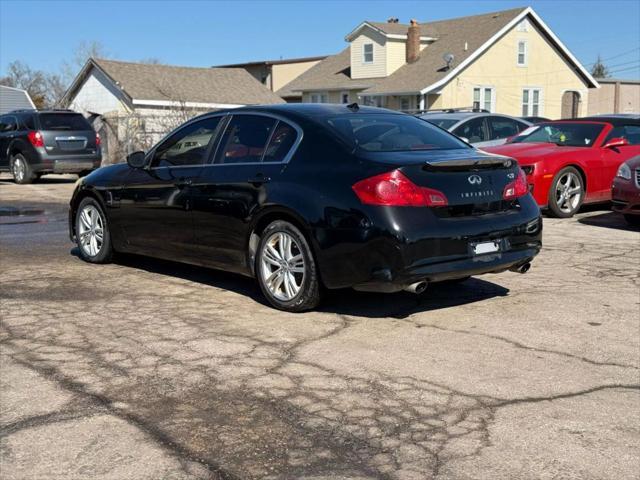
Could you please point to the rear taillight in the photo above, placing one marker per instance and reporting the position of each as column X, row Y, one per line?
column 98, row 140
column 395, row 189
column 517, row 188
column 35, row 138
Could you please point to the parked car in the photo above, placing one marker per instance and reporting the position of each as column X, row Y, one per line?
column 481, row 129
column 33, row 143
column 534, row 120
column 306, row 196
column 625, row 190
column 571, row 162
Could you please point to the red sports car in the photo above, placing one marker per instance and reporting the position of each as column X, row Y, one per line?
column 571, row 162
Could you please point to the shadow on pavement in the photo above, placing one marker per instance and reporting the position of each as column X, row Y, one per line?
column 342, row 302
column 608, row 220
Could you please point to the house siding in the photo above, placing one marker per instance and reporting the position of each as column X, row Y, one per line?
column 545, row 69
column 97, row 94
column 14, row 99
column 378, row 68
column 284, row 73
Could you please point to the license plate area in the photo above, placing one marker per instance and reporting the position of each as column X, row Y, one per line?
column 483, row 248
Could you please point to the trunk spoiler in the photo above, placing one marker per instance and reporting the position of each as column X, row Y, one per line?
column 469, row 162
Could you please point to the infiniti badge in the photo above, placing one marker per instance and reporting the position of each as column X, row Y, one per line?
column 475, row 179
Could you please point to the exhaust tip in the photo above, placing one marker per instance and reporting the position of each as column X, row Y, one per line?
column 524, row 268
column 417, row 287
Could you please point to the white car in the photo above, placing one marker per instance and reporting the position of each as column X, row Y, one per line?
column 481, row 129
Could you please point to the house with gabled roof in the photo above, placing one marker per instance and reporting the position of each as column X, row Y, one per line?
column 508, row 62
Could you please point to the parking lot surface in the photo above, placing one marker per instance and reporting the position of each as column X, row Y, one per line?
column 152, row 370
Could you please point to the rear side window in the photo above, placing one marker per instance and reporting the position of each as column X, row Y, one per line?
column 28, row 122
column 445, row 123
column 391, row 133
column 63, row 121
column 630, row 132
column 473, row 130
column 8, row 124
column 245, row 139
column 283, row 138
column 503, row 127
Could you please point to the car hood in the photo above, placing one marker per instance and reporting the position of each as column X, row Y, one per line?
column 528, row 153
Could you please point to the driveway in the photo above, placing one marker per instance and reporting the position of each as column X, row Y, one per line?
column 146, row 369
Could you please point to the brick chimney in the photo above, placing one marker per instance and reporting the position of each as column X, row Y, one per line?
column 413, row 42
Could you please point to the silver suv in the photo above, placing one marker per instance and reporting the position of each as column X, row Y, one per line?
column 480, row 128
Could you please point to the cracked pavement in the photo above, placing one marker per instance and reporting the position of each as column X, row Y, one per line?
column 148, row 369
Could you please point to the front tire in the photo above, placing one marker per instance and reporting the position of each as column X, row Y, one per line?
column 566, row 194
column 21, row 170
column 286, row 270
column 92, row 232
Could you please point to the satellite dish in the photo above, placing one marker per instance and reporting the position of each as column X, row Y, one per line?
column 448, row 57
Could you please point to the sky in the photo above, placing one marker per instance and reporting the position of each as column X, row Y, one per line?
column 205, row 33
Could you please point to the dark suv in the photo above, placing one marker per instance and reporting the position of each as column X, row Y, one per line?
column 33, row 143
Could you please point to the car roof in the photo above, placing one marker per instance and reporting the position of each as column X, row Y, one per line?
column 615, row 121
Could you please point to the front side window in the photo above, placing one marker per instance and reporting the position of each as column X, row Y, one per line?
column 630, row 132
column 187, row 146
column 473, row 130
column 563, row 134
column 522, row 53
column 531, row 102
column 245, row 139
column 367, row 53
column 391, row 133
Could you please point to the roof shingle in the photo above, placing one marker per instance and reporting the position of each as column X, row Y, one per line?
column 142, row 81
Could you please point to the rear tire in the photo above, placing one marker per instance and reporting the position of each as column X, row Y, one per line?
column 286, row 270
column 92, row 232
column 21, row 170
column 566, row 193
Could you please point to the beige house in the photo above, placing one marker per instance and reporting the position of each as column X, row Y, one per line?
column 508, row 62
column 275, row 74
column 615, row 96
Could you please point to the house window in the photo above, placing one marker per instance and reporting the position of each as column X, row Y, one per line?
column 367, row 53
column 522, row 53
column 484, row 98
column 319, row 97
column 531, row 102
column 344, row 97
column 405, row 104
column 371, row 101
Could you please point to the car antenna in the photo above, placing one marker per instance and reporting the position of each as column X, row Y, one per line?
column 353, row 106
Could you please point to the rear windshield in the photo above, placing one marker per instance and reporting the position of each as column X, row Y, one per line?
column 392, row 133
column 562, row 134
column 63, row 121
column 445, row 123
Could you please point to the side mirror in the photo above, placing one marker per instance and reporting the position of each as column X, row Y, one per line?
column 137, row 159
column 616, row 142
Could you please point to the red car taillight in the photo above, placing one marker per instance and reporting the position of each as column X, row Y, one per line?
column 98, row 140
column 395, row 189
column 35, row 138
column 517, row 188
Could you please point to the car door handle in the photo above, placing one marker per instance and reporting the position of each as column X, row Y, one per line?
column 183, row 182
column 259, row 179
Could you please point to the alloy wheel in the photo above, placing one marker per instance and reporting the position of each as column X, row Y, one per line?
column 568, row 192
column 19, row 170
column 90, row 230
column 283, row 266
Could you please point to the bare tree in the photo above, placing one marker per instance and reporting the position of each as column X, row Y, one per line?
column 20, row 75
column 83, row 52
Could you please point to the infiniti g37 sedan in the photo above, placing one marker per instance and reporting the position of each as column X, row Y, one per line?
column 312, row 197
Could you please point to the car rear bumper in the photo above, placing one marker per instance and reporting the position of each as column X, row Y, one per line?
column 68, row 164
column 404, row 246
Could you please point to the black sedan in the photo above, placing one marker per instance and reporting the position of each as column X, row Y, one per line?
column 310, row 197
